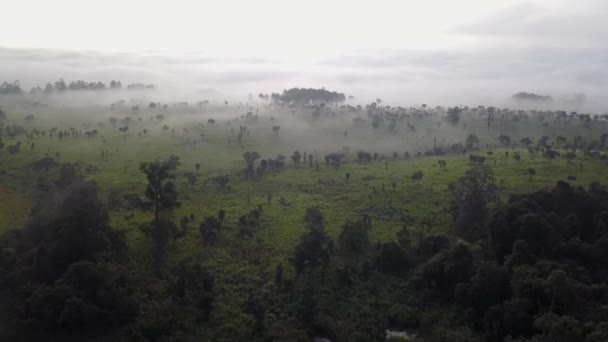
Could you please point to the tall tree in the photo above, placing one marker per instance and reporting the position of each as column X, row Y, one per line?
column 315, row 247
column 160, row 191
column 161, row 195
column 470, row 197
column 353, row 243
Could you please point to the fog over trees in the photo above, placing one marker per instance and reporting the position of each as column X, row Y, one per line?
column 323, row 171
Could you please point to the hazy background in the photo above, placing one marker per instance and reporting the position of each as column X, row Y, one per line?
column 404, row 52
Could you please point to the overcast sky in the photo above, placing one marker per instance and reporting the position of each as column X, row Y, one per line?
column 404, row 50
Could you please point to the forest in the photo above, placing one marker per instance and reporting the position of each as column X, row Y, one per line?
column 303, row 215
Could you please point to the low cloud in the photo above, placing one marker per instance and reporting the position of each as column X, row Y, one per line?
column 401, row 77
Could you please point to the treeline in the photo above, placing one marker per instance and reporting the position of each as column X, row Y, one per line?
column 61, row 86
column 524, row 96
column 305, row 97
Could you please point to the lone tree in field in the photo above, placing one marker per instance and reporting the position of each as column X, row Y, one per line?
column 442, row 164
column 417, row 176
column 276, row 129
column 161, row 195
column 470, row 196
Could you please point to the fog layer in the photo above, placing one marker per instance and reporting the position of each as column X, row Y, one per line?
column 440, row 53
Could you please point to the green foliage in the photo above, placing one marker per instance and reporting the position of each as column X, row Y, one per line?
column 315, row 247
column 210, row 229
column 160, row 191
column 60, row 277
column 471, row 142
column 353, row 243
column 470, row 197
column 417, row 176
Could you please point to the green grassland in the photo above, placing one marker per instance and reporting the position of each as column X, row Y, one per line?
column 238, row 262
column 368, row 192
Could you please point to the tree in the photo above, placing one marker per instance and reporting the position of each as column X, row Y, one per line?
column 454, row 115
column 353, row 243
column 315, row 246
column 296, row 157
column 470, row 197
column 221, row 215
column 531, row 172
column 391, row 259
column 160, row 191
column 194, row 286
column 65, row 257
column 559, row 328
column 14, row 149
column 603, row 138
column 210, row 229
column 570, row 156
column 197, row 166
column 250, row 158
column 221, row 181
column 471, row 142
column 448, row 269
column 417, row 176
column 113, row 121
column 517, row 156
column 276, row 129
column 504, row 139
column 278, row 274
column 526, row 142
column 161, row 195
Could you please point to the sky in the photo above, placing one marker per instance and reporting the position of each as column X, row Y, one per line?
column 404, row 51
